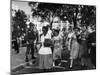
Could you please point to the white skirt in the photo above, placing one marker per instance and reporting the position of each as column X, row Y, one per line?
column 45, row 50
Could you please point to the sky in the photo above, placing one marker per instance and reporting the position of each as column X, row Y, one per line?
column 21, row 5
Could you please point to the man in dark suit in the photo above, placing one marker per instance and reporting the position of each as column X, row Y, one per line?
column 16, row 45
column 92, row 45
column 31, row 37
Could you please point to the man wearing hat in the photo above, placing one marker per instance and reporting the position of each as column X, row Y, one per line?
column 31, row 37
column 83, row 51
column 92, row 45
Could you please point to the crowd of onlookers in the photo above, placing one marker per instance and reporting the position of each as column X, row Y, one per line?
column 49, row 45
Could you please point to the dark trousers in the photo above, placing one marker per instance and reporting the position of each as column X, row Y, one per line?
column 16, row 47
column 30, row 50
column 93, row 55
column 57, row 62
column 83, row 52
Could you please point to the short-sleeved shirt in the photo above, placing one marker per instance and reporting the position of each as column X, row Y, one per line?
column 45, row 50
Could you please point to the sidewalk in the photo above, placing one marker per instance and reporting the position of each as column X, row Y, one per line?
column 27, row 68
column 18, row 59
column 23, row 68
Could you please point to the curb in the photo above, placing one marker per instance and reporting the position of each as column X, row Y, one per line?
column 20, row 67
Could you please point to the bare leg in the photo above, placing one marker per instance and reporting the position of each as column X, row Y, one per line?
column 71, row 63
column 53, row 63
column 82, row 61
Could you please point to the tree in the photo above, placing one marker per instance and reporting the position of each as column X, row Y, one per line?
column 19, row 23
column 88, row 14
column 45, row 10
column 72, row 13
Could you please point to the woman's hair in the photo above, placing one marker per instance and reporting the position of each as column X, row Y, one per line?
column 84, row 25
column 45, row 28
column 76, row 28
column 56, row 30
column 70, row 28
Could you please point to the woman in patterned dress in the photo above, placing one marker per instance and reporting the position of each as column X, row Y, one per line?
column 74, row 49
column 45, row 53
column 57, row 39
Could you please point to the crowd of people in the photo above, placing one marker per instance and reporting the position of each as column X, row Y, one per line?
column 80, row 42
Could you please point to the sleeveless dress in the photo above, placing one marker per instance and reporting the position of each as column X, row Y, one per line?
column 57, row 47
column 74, row 47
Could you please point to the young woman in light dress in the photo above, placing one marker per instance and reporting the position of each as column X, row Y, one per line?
column 74, row 50
column 73, row 46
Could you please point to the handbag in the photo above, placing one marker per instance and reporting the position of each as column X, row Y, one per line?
column 48, row 43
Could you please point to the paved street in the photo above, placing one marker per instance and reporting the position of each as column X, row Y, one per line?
column 18, row 59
